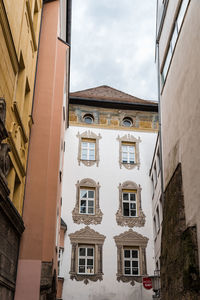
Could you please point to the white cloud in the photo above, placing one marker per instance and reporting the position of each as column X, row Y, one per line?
column 113, row 43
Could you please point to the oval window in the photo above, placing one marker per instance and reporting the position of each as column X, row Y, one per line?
column 88, row 119
column 127, row 122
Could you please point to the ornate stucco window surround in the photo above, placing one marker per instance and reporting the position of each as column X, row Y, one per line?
column 132, row 241
column 137, row 219
column 87, row 211
column 88, row 148
column 89, row 259
column 129, row 151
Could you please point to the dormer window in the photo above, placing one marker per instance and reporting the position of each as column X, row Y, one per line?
column 88, row 119
column 127, row 122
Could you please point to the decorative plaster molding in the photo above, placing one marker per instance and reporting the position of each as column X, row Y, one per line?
column 122, row 220
column 89, row 135
column 90, row 237
column 129, row 138
column 133, row 239
column 87, row 219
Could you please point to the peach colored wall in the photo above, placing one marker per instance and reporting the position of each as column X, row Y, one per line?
column 180, row 102
column 29, row 275
column 62, row 237
column 60, row 288
column 43, row 188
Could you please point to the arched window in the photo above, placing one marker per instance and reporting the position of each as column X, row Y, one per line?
column 88, row 118
column 127, row 122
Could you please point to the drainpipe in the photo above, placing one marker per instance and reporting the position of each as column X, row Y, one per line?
column 160, row 123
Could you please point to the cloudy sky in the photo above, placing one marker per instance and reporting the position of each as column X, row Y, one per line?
column 113, row 43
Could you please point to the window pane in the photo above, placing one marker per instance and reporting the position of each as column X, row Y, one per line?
column 90, row 270
column 84, row 145
column 90, row 262
column 90, row 252
column 124, row 148
column 90, row 194
column 182, row 13
column 81, row 269
column 131, row 149
column 134, row 254
column 90, row 203
column 127, row 263
column 126, row 209
column 127, row 271
column 134, row 264
column 174, row 37
column 135, row 271
column 82, row 251
column 90, row 210
column 133, row 213
column 83, row 193
column 83, row 203
column 92, row 145
column 83, row 210
column 91, row 157
column 81, row 262
column 133, row 205
column 125, row 196
column 126, row 253
column 132, row 197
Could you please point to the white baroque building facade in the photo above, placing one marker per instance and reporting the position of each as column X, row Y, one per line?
column 106, row 198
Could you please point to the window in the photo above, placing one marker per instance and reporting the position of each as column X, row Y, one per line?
column 129, row 203
column 129, row 151
column 88, row 119
column 130, row 211
column 158, row 218
column 131, row 262
column 87, row 210
column 88, row 149
column 86, row 260
column 127, row 122
column 86, row 201
column 173, row 39
column 155, row 226
column 87, row 255
column 131, row 256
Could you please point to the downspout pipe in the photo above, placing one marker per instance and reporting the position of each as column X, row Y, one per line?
column 160, row 123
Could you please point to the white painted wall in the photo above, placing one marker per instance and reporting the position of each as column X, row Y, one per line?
column 109, row 175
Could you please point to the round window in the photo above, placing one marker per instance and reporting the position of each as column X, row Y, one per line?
column 88, row 119
column 127, row 122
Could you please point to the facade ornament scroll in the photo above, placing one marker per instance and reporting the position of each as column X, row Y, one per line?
column 87, row 219
column 122, row 220
column 89, row 135
column 87, row 236
column 129, row 138
column 131, row 238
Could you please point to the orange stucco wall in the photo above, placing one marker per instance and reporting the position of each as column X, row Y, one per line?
column 43, row 188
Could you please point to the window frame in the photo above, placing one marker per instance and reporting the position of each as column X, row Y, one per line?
column 91, row 239
column 89, row 137
column 129, row 140
column 85, row 218
column 137, row 221
column 131, row 240
column 86, row 257
column 131, row 259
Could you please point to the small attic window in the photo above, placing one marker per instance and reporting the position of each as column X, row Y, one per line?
column 88, row 118
column 127, row 122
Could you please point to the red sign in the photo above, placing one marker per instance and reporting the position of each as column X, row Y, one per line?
column 147, row 283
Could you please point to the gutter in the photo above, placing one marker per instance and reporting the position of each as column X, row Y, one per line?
column 114, row 104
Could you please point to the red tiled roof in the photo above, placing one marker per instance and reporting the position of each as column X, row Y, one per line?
column 105, row 92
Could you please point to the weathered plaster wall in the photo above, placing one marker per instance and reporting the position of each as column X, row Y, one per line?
column 109, row 175
column 180, row 103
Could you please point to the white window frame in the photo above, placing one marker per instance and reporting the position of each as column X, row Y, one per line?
column 128, row 152
column 129, row 202
column 88, row 149
column 86, row 257
column 87, row 199
column 131, row 259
